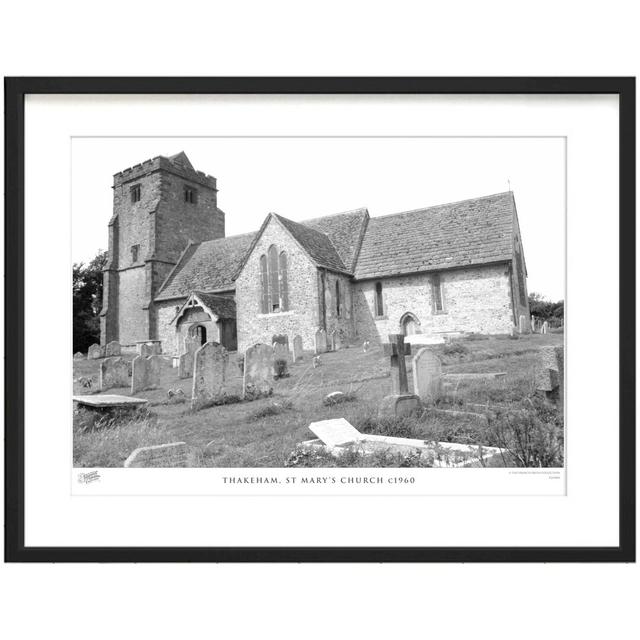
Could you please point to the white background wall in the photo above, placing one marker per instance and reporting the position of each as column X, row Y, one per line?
column 335, row 38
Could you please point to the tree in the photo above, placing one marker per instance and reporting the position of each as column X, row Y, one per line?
column 87, row 302
column 543, row 308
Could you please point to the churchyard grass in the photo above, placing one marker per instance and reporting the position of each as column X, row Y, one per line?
column 264, row 432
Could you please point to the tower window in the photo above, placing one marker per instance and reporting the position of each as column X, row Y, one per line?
column 379, row 301
column 134, row 252
column 190, row 195
column 135, row 193
column 436, row 292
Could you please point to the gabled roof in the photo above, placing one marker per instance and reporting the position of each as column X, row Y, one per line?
column 208, row 266
column 345, row 230
column 476, row 231
column 220, row 306
column 181, row 160
column 317, row 244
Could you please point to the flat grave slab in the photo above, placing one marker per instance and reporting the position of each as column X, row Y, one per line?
column 109, row 401
column 475, row 376
column 336, row 432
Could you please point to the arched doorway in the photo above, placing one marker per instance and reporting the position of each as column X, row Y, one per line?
column 199, row 332
column 409, row 324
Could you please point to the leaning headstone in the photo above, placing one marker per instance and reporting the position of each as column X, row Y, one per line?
column 95, row 352
column 173, row 454
column 78, row 355
column 549, row 376
column 113, row 373
column 258, row 371
column 427, row 375
column 112, row 349
column 321, row 341
column 297, row 349
column 209, row 372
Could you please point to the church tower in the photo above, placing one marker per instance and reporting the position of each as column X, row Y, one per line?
column 159, row 206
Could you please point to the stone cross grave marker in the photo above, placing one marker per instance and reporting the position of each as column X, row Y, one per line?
column 321, row 341
column 297, row 349
column 209, row 372
column 173, row 454
column 258, row 371
column 396, row 349
column 113, row 373
column 112, row 349
column 95, row 352
column 427, row 375
column 335, row 432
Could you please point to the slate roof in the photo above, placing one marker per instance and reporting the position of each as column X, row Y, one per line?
column 457, row 234
column 315, row 243
column 207, row 266
column 469, row 232
column 221, row 306
column 345, row 230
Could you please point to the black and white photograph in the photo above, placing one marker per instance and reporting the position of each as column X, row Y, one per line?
column 293, row 302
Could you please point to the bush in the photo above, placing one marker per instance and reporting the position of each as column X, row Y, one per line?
column 532, row 431
column 199, row 405
column 271, row 410
column 456, row 348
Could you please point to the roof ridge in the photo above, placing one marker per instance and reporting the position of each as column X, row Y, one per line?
column 340, row 213
column 443, row 204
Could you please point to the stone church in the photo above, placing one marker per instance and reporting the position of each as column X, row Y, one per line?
column 172, row 271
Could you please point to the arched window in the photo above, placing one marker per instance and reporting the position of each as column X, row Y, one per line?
column 379, row 301
column 284, row 285
column 264, row 285
column 274, row 285
column 338, row 298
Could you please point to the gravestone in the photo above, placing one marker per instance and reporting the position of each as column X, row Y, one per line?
column 145, row 373
column 533, row 324
column 549, row 376
column 333, row 340
column 365, row 346
column 281, row 351
column 209, row 372
column 400, row 402
column 186, row 359
column 173, row 454
column 545, row 327
column 336, row 432
column 321, row 341
column 316, row 362
column 113, row 373
column 297, row 349
column 95, row 352
column 145, row 350
column 78, row 355
column 258, row 371
column 112, row 349
column 281, row 339
column 427, row 375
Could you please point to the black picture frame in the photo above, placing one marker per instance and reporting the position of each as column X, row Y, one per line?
column 15, row 91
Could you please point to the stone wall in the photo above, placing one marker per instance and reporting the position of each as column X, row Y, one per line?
column 477, row 299
column 340, row 320
column 301, row 317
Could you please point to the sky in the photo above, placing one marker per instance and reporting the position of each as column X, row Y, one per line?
column 302, row 178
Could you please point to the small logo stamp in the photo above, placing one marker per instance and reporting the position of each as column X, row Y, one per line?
column 90, row 476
